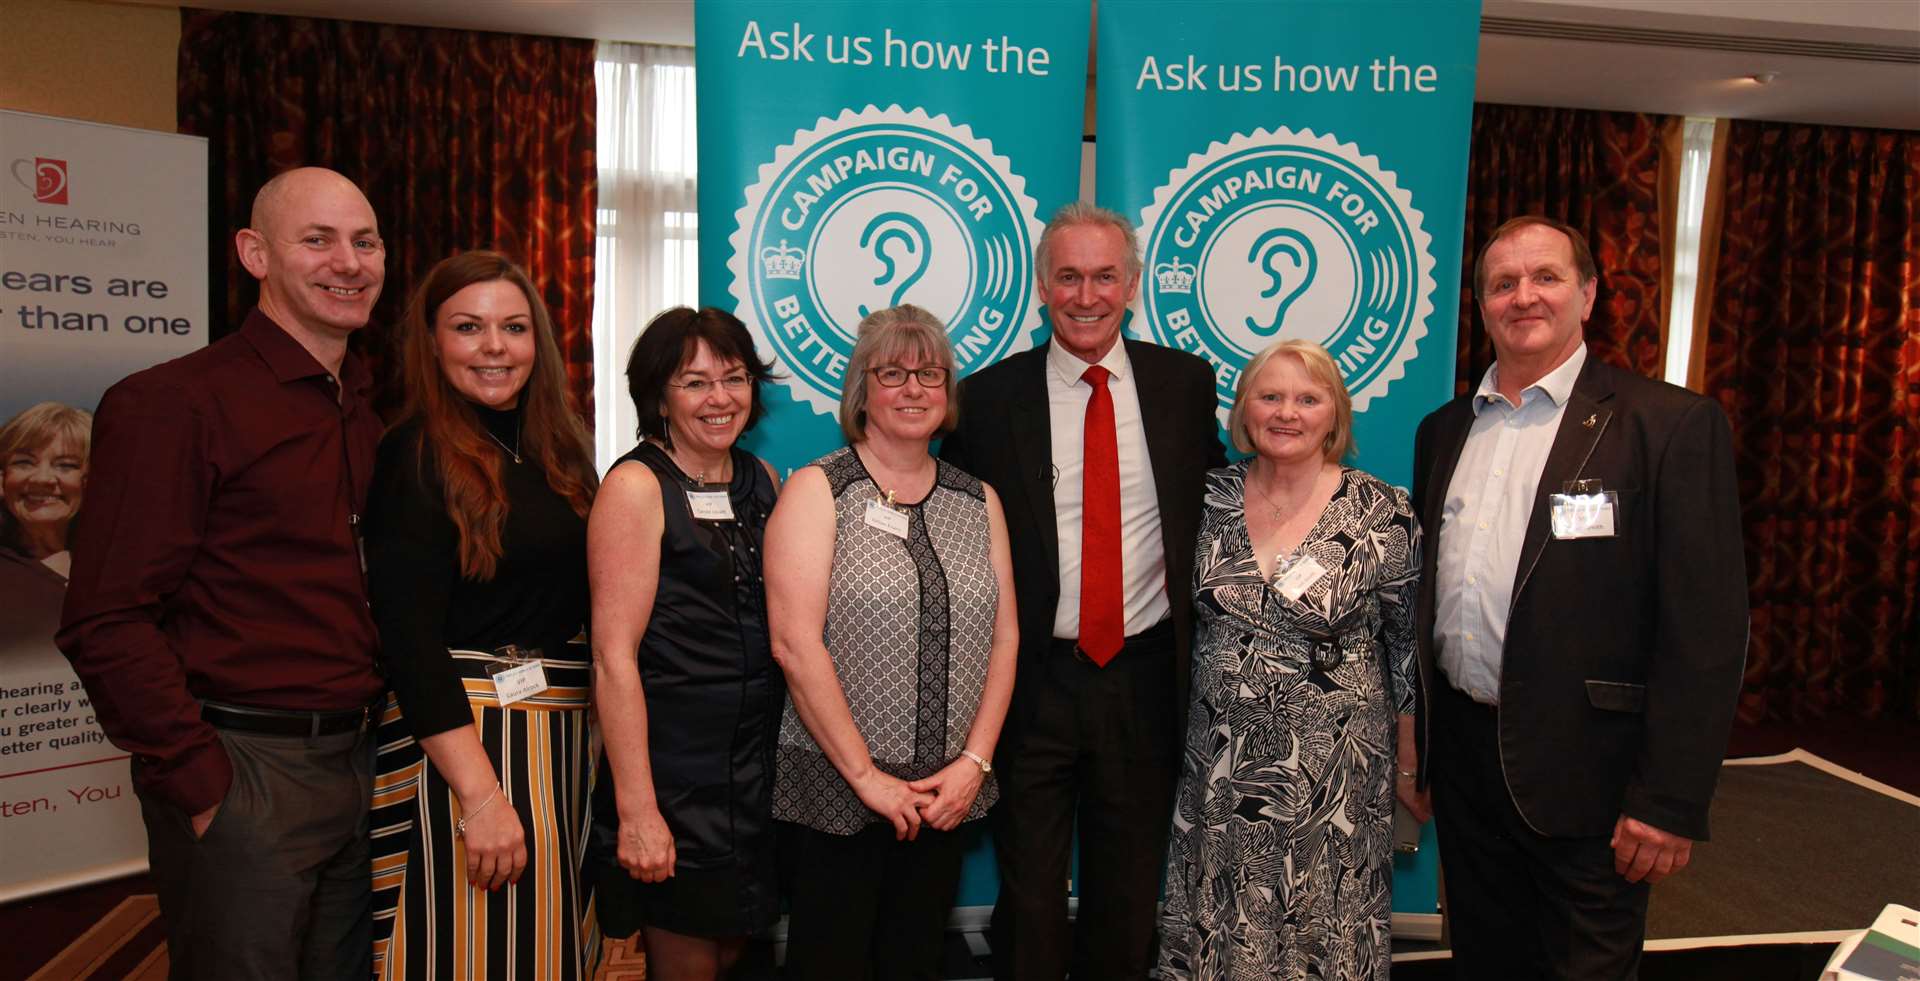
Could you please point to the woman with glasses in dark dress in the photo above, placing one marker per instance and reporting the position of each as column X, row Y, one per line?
column 685, row 686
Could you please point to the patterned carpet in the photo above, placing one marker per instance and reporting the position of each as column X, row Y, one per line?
column 622, row 960
column 125, row 943
column 1801, row 845
column 128, row 943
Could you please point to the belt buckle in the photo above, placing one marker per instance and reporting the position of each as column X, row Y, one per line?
column 365, row 712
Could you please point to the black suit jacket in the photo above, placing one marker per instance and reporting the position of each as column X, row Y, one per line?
column 1005, row 438
column 1623, row 655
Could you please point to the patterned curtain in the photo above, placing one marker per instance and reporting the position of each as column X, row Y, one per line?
column 461, row 140
column 1596, row 171
column 1814, row 350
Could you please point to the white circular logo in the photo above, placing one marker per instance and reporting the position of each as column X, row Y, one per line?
column 1285, row 234
column 872, row 209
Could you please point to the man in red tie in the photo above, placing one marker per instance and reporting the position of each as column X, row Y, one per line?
column 1098, row 448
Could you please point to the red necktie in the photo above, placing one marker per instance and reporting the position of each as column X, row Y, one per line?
column 1102, row 609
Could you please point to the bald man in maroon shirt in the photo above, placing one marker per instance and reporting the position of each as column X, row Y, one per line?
column 217, row 611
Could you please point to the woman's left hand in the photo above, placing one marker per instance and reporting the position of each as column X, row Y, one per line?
column 953, row 790
column 1405, row 784
column 1419, row 802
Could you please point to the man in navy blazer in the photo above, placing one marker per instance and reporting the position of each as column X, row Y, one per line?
column 1583, row 624
column 1092, row 740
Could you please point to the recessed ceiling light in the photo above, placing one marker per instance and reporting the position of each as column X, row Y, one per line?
column 1762, row 78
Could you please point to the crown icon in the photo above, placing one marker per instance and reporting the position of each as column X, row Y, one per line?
column 1175, row 276
column 783, row 262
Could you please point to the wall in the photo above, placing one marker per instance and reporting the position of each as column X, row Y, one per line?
column 83, row 59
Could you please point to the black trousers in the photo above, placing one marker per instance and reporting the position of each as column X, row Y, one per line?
column 1520, row 904
column 279, row 887
column 1097, row 748
column 867, row 907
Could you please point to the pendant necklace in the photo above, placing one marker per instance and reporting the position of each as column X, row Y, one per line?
column 1272, row 508
column 512, row 451
column 890, row 493
column 700, row 476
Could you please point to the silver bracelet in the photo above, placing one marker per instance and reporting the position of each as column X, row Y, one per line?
column 460, row 826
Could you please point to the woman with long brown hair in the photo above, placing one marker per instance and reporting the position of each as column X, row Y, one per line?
column 476, row 548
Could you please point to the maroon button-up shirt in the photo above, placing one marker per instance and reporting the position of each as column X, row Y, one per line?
column 216, row 555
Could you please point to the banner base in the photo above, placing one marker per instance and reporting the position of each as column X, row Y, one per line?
column 15, row 891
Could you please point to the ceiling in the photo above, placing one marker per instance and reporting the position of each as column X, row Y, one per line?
column 1841, row 62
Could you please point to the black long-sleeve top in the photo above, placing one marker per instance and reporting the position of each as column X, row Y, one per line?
column 423, row 606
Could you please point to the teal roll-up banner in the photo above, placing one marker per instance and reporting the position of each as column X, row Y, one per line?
column 1297, row 168
column 856, row 154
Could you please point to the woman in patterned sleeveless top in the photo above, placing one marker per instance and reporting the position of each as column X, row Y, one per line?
column 891, row 593
column 684, row 681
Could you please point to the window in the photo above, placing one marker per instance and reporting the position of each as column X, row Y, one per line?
column 1698, row 157
column 646, row 256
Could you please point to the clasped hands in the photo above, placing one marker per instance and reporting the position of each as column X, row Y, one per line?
column 940, row 801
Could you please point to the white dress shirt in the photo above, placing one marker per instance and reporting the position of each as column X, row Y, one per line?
column 1483, row 523
column 1143, row 559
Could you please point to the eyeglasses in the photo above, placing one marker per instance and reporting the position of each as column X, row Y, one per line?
column 700, row 386
column 894, row 376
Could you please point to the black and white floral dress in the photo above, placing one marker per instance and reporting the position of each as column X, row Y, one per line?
column 1280, row 862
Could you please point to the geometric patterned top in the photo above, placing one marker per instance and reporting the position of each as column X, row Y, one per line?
column 910, row 628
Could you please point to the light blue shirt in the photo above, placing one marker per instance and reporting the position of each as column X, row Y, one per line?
column 1483, row 523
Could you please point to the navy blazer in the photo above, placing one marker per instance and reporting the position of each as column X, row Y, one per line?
column 1623, row 655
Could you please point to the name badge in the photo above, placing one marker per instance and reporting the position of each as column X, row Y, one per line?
column 1588, row 515
column 1294, row 575
column 710, row 505
column 517, row 682
column 886, row 519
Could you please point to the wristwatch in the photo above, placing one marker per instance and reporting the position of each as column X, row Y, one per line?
column 985, row 765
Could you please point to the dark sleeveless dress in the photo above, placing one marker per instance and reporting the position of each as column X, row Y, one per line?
column 714, row 697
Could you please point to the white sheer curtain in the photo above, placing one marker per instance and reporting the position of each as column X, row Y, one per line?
column 647, row 251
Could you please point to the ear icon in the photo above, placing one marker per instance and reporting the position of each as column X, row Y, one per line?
column 1273, row 245
column 897, row 228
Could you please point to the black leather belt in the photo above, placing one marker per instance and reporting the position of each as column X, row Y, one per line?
column 1159, row 634
column 283, row 722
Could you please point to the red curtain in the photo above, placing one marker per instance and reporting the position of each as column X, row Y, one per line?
column 461, row 140
column 1814, row 350
column 1596, row 171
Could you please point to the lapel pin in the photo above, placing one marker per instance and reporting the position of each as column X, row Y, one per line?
column 1591, row 420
